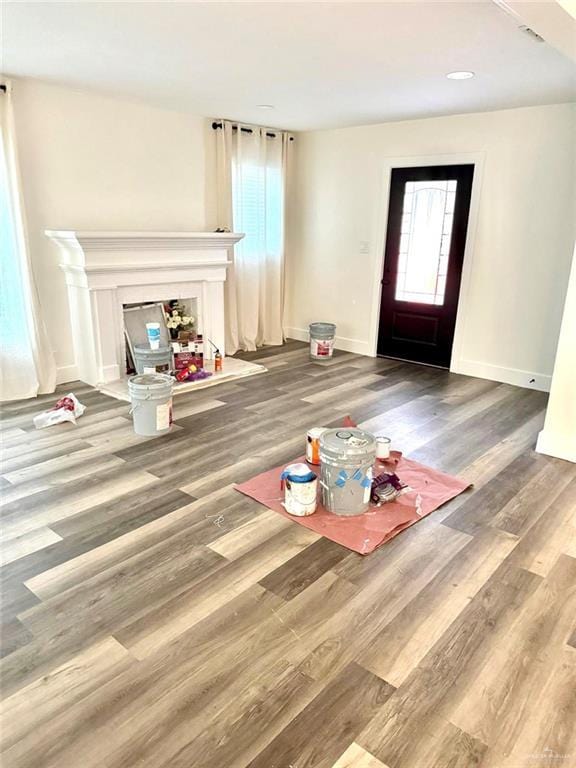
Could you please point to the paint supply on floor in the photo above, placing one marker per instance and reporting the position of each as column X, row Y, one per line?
column 313, row 445
column 151, row 398
column 149, row 360
column 429, row 489
column 387, row 487
column 346, row 460
column 300, row 490
column 322, row 340
column 68, row 408
column 383, row 448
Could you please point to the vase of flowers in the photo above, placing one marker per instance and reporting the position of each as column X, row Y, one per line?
column 177, row 321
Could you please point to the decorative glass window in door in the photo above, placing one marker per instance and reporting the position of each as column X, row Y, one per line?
column 426, row 232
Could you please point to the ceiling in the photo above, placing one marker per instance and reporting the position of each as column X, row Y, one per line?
column 321, row 64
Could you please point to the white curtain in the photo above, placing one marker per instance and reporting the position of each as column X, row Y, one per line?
column 27, row 365
column 251, row 172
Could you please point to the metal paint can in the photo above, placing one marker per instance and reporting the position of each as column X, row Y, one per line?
column 313, row 445
column 347, row 459
column 300, row 490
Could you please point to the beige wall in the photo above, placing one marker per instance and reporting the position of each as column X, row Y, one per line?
column 510, row 313
column 91, row 162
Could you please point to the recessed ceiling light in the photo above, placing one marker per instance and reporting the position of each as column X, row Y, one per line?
column 265, row 106
column 463, row 75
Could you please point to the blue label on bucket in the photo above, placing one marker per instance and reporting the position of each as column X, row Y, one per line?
column 153, row 334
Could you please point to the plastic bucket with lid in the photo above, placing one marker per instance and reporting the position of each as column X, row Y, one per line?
column 149, row 360
column 346, row 461
column 322, row 340
column 151, row 398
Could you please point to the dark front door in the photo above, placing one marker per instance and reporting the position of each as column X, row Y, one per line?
column 427, row 223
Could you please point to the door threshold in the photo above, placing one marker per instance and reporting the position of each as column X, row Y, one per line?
column 414, row 362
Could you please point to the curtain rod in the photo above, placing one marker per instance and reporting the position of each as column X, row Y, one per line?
column 216, row 125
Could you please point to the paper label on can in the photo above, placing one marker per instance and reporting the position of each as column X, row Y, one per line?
column 149, row 369
column 321, row 348
column 313, row 450
column 163, row 416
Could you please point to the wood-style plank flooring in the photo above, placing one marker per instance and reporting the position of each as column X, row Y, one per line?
column 153, row 617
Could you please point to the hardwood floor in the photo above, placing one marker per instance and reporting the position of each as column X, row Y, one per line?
column 154, row 617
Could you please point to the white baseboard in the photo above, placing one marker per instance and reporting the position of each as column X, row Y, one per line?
column 515, row 376
column 559, row 448
column 66, row 373
column 340, row 342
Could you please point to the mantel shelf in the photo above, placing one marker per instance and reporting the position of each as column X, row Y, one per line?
column 114, row 241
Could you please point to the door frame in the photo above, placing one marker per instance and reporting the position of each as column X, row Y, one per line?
column 460, row 158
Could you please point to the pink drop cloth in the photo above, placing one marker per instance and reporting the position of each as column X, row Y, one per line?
column 364, row 533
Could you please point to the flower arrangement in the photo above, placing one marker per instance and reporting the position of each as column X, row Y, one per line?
column 177, row 320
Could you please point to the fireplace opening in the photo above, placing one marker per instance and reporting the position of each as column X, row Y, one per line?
column 180, row 339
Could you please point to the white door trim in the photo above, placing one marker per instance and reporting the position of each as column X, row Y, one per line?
column 459, row 158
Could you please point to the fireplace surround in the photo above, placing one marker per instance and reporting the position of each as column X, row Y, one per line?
column 105, row 270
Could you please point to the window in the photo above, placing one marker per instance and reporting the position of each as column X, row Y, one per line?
column 257, row 195
column 16, row 356
column 426, row 233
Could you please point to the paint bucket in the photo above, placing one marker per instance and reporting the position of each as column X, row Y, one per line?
column 313, row 445
column 151, row 397
column 149, row 360
column 300, row 490
column 322, row 340
column 346, row 460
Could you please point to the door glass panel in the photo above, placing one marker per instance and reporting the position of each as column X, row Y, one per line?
column 427, row 215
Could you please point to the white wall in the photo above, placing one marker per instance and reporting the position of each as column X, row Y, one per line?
column 558, row 438
column 92, row 162
column 510, row 317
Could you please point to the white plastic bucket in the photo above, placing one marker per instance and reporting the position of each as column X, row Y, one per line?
column 151, row 397
column 322, row 340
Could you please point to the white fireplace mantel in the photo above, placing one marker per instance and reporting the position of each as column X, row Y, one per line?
column 105, row 270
